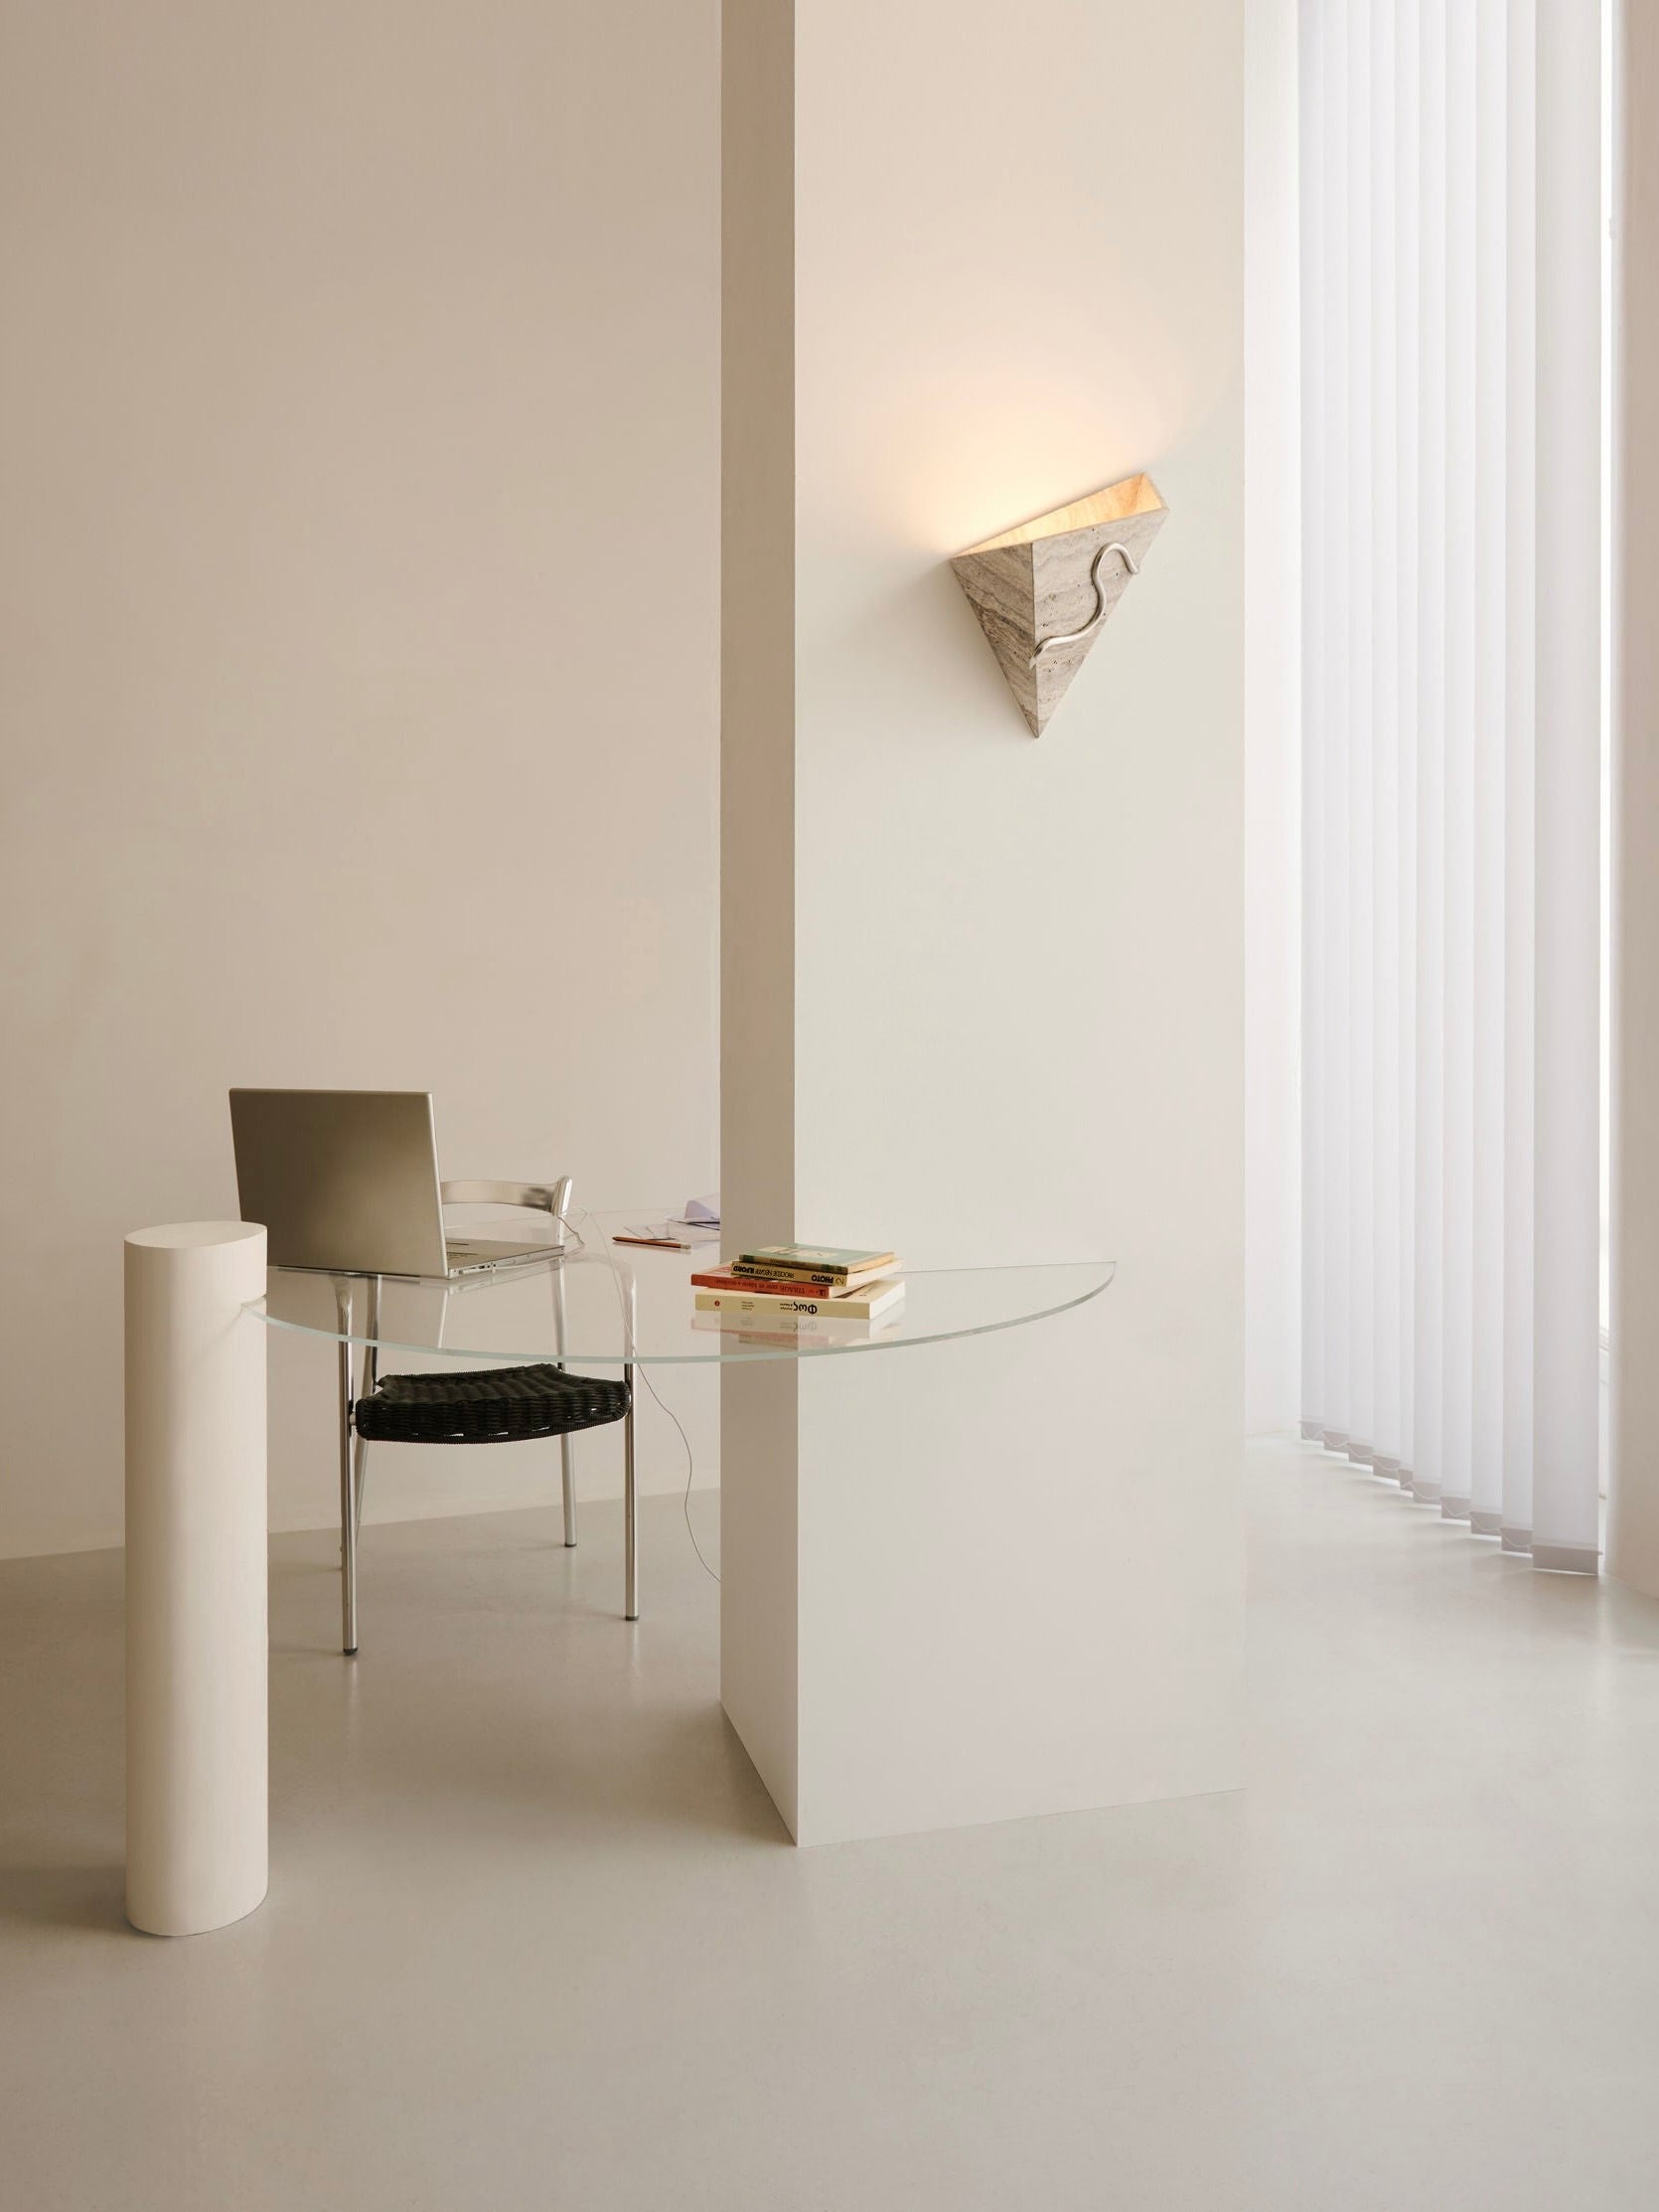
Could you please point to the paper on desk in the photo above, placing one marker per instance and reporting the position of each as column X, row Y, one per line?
column 678, row 1236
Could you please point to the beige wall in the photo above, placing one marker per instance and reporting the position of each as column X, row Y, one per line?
column 1633, row 1515
column 358, row 581
column 1012, row 1566
column 759, row 1530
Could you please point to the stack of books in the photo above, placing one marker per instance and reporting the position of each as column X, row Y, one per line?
column 804, row 1282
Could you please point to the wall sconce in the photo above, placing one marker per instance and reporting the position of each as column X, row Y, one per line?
column 1043, row 592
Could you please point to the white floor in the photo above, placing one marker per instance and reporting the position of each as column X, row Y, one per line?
column 536, row 1938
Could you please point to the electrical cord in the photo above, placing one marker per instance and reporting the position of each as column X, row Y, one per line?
column 686, row 1499
column 690, row 1466
column 566, row 1221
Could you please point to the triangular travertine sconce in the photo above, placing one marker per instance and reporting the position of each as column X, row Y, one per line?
column 1043, row 592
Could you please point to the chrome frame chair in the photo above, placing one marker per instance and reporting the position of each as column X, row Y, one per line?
column 549, row 1199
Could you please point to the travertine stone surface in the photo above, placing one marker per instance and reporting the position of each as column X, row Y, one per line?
column 1034, row 583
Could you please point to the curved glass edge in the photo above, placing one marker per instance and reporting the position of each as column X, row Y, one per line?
column 749, row 1355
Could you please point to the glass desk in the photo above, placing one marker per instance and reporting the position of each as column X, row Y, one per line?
column 198, row 1691
column 589, row 1303
column 611, row 1306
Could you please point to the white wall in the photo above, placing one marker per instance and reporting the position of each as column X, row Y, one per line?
column 1011, row 1568
column 1272, row 724
column 357, row 559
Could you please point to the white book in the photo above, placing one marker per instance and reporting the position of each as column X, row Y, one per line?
column 796, row 1332
column 858, row 1305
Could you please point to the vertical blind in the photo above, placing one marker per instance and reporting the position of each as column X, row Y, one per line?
column 1451, row 230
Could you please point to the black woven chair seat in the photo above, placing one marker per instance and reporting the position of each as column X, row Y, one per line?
column 491, row 1406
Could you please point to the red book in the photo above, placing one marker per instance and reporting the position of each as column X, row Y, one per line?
column 721, row 1279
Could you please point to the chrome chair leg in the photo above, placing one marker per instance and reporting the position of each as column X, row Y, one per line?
column 567, row 1445
column 371, row 1376
column 567, row 1456
column 348, row 1503
column 631, row 1562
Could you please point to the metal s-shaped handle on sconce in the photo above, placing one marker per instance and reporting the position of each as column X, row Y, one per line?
column 1076, row 637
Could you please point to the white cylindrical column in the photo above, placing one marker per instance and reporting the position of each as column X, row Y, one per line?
column 196, row 1719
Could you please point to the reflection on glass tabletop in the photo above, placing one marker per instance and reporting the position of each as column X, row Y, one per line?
column 601, row 1304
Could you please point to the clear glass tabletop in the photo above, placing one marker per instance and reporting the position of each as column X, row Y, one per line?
column 601, row 1304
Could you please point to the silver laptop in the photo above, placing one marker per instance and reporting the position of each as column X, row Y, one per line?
column 347, row 1181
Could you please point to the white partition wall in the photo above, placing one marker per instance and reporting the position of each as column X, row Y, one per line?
column 981, row 995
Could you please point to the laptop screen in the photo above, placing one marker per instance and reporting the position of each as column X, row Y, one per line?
column 345, row 1181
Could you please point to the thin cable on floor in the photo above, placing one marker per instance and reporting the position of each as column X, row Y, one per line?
column 625, row 1303
column 686, row 1500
